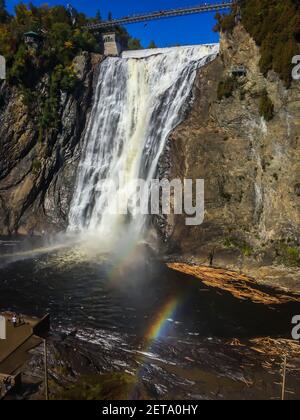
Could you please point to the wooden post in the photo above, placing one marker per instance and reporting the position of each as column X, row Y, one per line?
column 46, row 370
column 284, row 378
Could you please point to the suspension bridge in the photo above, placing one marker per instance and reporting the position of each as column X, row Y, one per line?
column 162, row 14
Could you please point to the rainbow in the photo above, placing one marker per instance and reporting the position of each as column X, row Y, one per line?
column 159, row 324
column 156, row 330
column 35, row 251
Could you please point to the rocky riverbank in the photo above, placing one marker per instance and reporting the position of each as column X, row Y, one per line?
column 240, row 369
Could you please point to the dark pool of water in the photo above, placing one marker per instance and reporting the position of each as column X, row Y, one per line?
column 80, row 293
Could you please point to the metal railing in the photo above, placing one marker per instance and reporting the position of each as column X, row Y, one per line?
column 160, row 15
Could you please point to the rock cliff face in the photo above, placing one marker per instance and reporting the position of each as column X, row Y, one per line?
column 37, row 177
column 251, row 167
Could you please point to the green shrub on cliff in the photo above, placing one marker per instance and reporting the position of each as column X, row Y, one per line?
column 36, row 166
column 30, row 99
column 234, row 243
column 225, row 22
column 62, row 79
column 275, row 27
column 289, row 255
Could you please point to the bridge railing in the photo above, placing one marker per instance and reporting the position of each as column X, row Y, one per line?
column 162, row 14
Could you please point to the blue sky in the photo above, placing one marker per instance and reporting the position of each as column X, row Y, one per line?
column 194, row 29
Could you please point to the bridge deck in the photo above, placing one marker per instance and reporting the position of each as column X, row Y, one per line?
column 161, row 15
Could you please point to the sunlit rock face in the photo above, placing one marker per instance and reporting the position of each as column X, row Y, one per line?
column 250, row 166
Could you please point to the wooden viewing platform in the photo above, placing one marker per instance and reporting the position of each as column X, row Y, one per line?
column 14, row 350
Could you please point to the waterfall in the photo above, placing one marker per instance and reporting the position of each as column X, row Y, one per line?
column 140, row 98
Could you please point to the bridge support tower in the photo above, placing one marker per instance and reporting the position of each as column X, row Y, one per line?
column 111, row 45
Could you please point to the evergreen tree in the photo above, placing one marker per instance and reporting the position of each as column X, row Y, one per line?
column 134, row 44
column 98, row 16
column 152, row 45
column 3, row 12
column 2, row 6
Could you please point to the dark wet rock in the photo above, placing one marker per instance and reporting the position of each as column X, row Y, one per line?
column 220, row 369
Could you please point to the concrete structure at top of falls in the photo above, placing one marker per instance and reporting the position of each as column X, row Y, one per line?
column 140, row 98
column 112, row 46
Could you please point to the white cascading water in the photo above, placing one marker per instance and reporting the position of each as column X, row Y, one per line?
column 140, row 98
